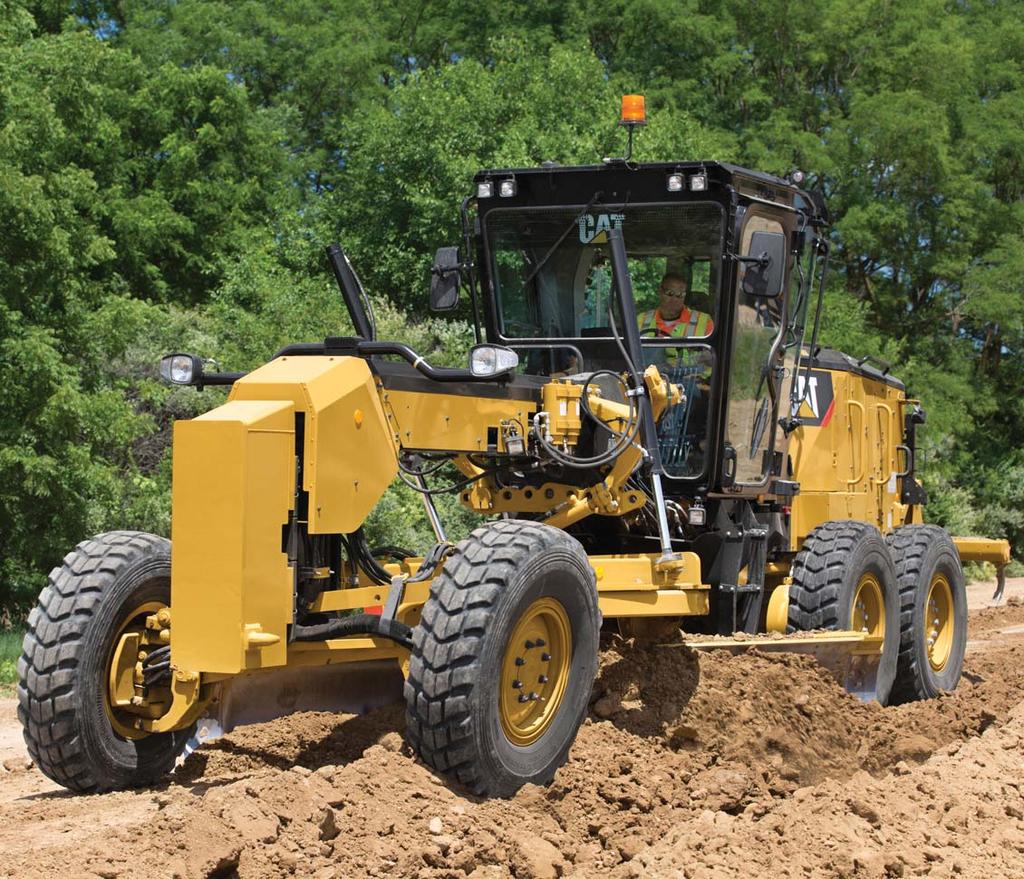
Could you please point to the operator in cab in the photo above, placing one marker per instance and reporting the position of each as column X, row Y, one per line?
column 672, row 317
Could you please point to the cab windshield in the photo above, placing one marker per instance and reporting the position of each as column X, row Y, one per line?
column 552, row 271
column 552, row 283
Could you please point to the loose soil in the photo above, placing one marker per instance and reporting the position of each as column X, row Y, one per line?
column 689, row 766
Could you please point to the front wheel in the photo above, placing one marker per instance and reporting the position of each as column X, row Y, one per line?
column 80, row 698
column 504, row 658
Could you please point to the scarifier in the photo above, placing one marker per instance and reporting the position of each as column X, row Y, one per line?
column 731, row 479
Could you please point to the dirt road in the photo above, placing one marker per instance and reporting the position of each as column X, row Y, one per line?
column 690, row 767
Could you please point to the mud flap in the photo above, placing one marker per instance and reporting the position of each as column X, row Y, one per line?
column 852, row 658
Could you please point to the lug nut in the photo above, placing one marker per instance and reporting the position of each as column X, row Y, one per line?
column 541, row 642
column 520, row 661
column 517, row 684
column 545, row 657
column 543, row 679
column 523, row 697
column 529, row 645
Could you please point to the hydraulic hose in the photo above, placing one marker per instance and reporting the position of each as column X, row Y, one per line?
column 359, row 624
column 362, row 555
column 393, row 552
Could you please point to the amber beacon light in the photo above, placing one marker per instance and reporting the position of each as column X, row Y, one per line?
column 634, row 111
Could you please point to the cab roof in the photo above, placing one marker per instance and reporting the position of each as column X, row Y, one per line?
column 551, row 183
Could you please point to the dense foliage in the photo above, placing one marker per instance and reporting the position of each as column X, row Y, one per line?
column 170, row 171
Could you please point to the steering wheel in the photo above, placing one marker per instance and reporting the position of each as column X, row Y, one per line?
column 657, row 332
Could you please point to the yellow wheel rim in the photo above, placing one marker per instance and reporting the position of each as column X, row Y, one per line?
column 938, row 622
column 868, row 611
column 123, row 721
column 535, row 671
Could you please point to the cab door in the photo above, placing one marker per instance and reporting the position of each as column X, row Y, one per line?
column 755, row 363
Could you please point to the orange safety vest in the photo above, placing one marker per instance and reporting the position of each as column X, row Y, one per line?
column 689, row 323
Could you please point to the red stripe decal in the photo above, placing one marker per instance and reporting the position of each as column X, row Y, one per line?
column 828, row 414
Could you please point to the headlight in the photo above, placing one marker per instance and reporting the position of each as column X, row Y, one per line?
column 487, row 360
column 181, row 369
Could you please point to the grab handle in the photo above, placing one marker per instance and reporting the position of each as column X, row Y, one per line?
column 857, row 444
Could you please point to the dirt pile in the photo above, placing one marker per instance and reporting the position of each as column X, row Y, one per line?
column 960, row 814
column 742, row 765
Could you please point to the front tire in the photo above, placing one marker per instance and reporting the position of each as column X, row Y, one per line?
column 103, row 586
column 933, row 612
column 843, row 578
column 504, row 658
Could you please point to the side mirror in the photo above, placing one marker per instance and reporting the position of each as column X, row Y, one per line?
column 444, row 280
column 765, row 262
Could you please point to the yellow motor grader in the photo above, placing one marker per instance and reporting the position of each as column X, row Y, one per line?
column 732, row 477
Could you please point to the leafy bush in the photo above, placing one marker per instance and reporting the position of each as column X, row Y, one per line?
column 171, row 172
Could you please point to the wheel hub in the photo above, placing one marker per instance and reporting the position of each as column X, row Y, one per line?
column 133, row 693
column 868, row 611
column 535, row 671
column 939, row 625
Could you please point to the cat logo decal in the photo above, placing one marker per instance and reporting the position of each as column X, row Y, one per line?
column 817, row 401
column 594, row 228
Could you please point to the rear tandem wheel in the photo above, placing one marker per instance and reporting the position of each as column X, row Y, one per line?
column 933, row 612
column 504, row 658
column 843, row 578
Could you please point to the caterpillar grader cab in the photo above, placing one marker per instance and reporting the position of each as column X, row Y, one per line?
column 706, row 469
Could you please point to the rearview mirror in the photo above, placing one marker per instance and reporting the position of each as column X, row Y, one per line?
column 765, row 264
column 444, row 280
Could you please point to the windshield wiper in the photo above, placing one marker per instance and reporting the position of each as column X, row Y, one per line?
column 561, row 237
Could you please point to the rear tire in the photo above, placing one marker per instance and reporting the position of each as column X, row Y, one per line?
column 926, row 557
column 838, row 563
column 62, row 672
column 501, row 586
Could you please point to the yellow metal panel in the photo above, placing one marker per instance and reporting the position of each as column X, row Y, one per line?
column 369, row 596
column 848, row 465
column 624, row 577
column 349, row 455
column 338, row 650
column 983, row 549
column 626, row 573
column 232, row 489
column 451, row 422
column 663, row 602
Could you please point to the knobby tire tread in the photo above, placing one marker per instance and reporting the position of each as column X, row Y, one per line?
column 52, row 651
column 445, row 661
